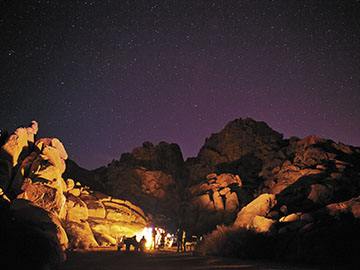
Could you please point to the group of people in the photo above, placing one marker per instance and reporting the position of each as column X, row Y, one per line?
column 159, row 239
column 131, row 241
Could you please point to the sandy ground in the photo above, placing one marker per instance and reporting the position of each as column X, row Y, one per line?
column 158, row 260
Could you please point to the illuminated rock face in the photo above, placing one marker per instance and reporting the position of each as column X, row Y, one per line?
column 310, row 188
column 214, row 201
column 15, row 151
column 80, row 218
column 149, row 177
column 246, row 175
column 217, row 193
column 32, row 198
column 259, row 207
column 94, row 219
column 304, row 176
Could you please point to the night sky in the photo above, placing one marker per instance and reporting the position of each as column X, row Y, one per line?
column 105, row 76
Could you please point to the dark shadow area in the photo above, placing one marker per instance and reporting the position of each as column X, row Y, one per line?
column 161, row 260
column 84, row 176
column 338, row 189
column 295, row 195
column 247, row 167
column 26, row 245
column 331, row 244
column 343, row 152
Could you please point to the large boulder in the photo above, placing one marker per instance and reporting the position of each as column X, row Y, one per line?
column 261, row 206
column 217, row 193
column 80, row 235
column 19, row 143
column 319, row 173
column 15, row 149
column 29, row 237
column 94, row 219
column 260, row 224
column 350, row 207
column 214, row 201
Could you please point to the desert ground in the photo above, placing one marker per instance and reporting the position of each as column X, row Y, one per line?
column 110, row 259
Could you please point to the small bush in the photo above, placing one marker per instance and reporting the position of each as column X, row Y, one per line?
column 332, row 242
column 229, row 241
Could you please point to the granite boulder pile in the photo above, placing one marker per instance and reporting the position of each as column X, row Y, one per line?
column 33, row 192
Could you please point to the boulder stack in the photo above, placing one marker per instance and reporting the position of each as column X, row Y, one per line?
column 72, row 215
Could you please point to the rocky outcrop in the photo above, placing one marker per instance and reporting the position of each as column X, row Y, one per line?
column 13, row 153
column 306, row 181
column 151, row 177
column 246, row 176
column 215, row 200
column 305, row 207
column 304, row 176
column 242, row 148
column 217, row 192
column 162, row 157
column 94, row 219
column 68, row 213
column 252, row 215
column 153, row 191
column 155, row 177
column 31, row 191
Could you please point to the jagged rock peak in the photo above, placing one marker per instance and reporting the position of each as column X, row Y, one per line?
column 240, row 137
column 164, row 156
column 251, row 126
column 163, row 150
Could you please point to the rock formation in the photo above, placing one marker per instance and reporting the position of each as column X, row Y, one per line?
column 307, row 187
column 303, row 175
column 242, row 148
column 150, row 177
column 33, row 192
column 246, row 176
column 216, row 200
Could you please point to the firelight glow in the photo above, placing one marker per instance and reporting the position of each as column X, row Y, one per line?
column 147, row 233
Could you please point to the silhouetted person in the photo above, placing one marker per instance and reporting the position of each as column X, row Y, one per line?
column 184, row 240
column 179, row 235
column 153, row 238
column 162, row 239
column 142, row 244
column 135, row 243
column 127, row 243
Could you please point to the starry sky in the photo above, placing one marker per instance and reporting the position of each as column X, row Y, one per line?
column 105, row 76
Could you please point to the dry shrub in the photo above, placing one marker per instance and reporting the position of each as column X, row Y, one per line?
column 334, row 242
column 234, row 242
